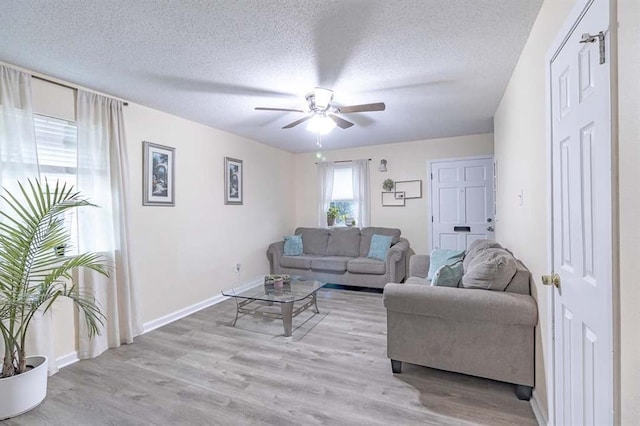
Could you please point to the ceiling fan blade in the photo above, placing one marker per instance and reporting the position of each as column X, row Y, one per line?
column 295, row 123
column 277, row 109
column 379, row 106
column 341, row 122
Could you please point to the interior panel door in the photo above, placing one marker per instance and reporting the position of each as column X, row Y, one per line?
column 582, row 226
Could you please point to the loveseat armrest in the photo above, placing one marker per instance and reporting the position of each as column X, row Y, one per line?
column 419, row 265
column 461, row 304
column 275, row 252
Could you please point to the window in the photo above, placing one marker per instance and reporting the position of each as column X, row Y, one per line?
column 57, row 144
column 342, row 195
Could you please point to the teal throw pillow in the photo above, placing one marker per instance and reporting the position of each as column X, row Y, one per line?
column 448, row 275
column 293, row 245
column 379, row 246
column 441, row 257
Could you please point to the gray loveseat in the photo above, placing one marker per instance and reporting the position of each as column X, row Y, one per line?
column 339, row 256
column 485, row 333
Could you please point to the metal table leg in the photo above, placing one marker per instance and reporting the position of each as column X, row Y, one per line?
column 287, row 317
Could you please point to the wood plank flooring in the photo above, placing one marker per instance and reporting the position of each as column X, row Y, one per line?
column 201, row 371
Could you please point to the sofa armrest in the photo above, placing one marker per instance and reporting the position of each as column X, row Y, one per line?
column 395, row 260
column 397, row 251
column 275, row 252
column 461, row 304
column 419, row 265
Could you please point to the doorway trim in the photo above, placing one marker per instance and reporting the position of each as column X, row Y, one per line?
column 430, row 164
column 572, row 20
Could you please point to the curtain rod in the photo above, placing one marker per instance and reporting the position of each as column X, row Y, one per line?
column 37, row 77
column 345, row 161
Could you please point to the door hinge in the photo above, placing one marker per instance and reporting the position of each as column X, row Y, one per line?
column 588, row 38
column 431, row 176
column 431, row 218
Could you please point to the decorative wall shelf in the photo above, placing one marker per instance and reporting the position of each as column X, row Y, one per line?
column 411, row 188
column 403, row 190
column 389, row 200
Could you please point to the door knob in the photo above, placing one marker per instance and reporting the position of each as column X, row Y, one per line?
column 490, row 228
column 553, row 280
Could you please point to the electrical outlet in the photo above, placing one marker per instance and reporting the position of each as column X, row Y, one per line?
column 237, row 267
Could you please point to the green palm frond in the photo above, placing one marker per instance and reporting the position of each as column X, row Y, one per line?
column 32, row 274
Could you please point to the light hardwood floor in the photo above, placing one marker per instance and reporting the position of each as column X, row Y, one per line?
column 201, row 371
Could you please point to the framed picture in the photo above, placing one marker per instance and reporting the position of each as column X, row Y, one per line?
column 158, row 180
column 411, row 188
column 233, row 181
column 389, row 200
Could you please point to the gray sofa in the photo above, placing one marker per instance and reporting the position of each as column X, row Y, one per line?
column 339, row 256
column 485, row 333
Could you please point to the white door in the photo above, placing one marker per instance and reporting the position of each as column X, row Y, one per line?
column 462, row 202
column 582, row 227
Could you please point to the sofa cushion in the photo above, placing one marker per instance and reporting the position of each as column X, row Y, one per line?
column 344, row 242
column 492, row 269
column 314, row 240
column 367, row 233
column 520, row 281
column 292, row 245
column 330, row 263
column 365, row 265
column 448, row 275
column 297, row 262
column 417, row 280
column 476, row 247
column 441, row 257
column 379, row 246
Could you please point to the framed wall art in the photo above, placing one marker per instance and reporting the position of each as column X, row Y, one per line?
column 158, row 180
column 233, row 193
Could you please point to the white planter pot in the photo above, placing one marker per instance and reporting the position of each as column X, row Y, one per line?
column 21, row 393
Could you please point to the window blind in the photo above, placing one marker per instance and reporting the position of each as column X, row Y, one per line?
column 342, row 184
column 57, row 142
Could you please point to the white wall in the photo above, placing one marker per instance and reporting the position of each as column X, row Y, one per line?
column 629, row 176
column 520, row 152
column 405, row 161
column 185, row 254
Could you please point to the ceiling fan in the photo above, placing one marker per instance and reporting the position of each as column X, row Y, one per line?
column 322, row 114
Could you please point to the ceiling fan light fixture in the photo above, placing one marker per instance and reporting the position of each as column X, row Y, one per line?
column 320, row 124
column 322, row 98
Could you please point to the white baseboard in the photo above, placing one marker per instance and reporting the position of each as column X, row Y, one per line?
column 174, row 316
column 541, row 418
column 66, row 360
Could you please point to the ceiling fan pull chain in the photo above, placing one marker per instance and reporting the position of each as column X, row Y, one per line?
column 318, row 140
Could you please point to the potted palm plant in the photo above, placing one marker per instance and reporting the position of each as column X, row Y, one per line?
column 32, row 276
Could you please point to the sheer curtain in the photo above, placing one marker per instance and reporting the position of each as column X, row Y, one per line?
column 18, row 151
column 103, row 178
column 325, row 189
column 19, row 162
column 361, row 192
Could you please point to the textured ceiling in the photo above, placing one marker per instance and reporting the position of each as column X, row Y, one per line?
column 440, row 66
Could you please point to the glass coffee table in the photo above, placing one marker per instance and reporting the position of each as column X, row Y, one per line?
column 252, row 300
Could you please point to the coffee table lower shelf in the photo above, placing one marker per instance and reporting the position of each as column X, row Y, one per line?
column 287, row 313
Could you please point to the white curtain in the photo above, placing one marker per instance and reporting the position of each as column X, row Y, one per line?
column 325, row 189
column 103, row 178
column 19, row 162
column 361, row 192
column 18, row 151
